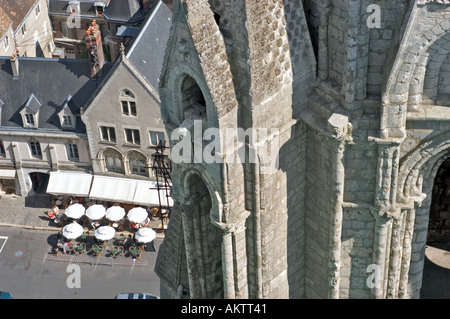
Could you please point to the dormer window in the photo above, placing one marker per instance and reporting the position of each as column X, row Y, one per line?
column 67, row 121
column 128, row 103
column 66, row 115
column 99, row 7
column 29, row 119
column 74, row 8
column 30, row 113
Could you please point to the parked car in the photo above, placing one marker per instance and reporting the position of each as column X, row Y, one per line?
column 5, row 295
column 135, row 295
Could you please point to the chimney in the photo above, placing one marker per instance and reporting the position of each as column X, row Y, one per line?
column 15, row 65
column 94, row 48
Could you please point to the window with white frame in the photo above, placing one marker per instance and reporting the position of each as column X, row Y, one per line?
column 72, row 152
column 113, row 161
column 6, row 42
column 156, row 137
column 128, row 103
column 29, row 119
column 132, row 136
column 24, row 29
column 137, row 163
column 108, row 134
column 35, row 149
column 67, row 121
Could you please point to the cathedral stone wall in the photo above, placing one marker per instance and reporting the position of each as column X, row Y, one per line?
column 362, row 119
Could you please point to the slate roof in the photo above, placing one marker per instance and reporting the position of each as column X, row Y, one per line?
column 87, row 7
column 148, row 48
column 51, row 81
column 124, row 11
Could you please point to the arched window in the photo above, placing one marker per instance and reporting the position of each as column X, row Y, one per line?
column 191, row 94
column 113, row 161
column 137, row 163
column 128, row 103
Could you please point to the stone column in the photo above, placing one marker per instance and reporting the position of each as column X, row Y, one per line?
column 232, row 249
column 389, row 226
column 380, row 253
column 388, row 159
column 227, row 265
column 339, row 126
column 406, row 254
column 191, row 254
column 395, row 258
column 336, row 217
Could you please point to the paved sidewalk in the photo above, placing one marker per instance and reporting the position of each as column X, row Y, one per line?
column 31, row 213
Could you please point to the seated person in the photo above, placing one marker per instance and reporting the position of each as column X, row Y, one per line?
column 127, row 241
column 59, row 218
column 134, row 225
column 146, row 222
column 62, row 243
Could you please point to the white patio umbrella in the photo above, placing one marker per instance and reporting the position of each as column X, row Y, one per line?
column 72, row 231
column 145, row 235
column 75, row 211
column 104, row 233
column 137, row 215
column 95, row 212
column 115, row 213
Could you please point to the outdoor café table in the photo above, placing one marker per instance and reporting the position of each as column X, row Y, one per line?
column 98, row 250
column 135, row 252
column 116, row 251
column 80, row 248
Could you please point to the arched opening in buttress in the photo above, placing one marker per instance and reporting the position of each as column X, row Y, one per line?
column 192, row 99
column 205, row 241
column 436, row 271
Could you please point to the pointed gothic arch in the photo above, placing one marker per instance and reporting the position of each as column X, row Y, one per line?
column 203, row 239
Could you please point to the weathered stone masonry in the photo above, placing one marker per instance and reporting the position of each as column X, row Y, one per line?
column 363, row 121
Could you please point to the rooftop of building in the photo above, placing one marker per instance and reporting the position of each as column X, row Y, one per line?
column 54, row 83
